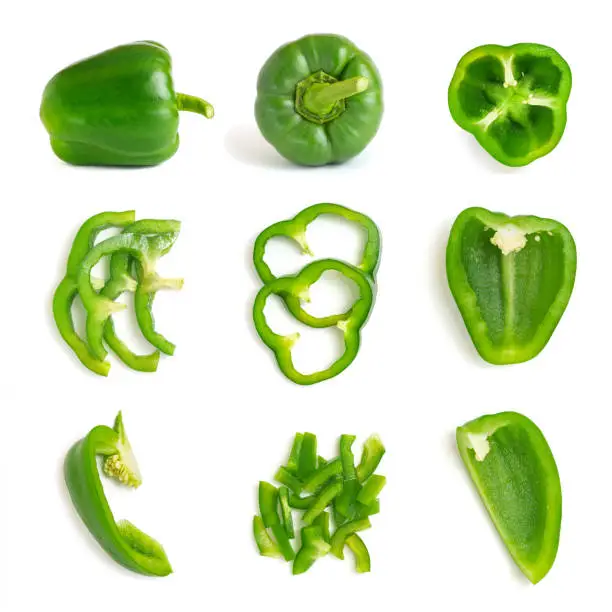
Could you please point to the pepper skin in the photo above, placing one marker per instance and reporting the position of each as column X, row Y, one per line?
column 512, row 278
column 125, row 543
column 516, row 476
column 117, row 108
column 295, row 230
column 319, row 100
column 350, row 322
column 512, row 99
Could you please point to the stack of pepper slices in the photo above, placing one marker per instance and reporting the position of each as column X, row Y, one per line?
column 351, row 492
column 294, row 289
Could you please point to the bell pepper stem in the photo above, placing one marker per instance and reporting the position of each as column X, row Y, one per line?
column 185, row 102
column 322, row 96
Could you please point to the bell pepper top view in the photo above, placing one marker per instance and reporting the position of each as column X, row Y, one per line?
column 319, row 100
column 512, row 99
column 117, row 108
column 512, row 278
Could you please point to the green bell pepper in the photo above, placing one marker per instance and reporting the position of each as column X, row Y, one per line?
column 361, row 553
column 516, row 476
column 512, row 99
column 117, row 108
column 295, row 230
column 319, row 100
column 313, row 547
column 125, row 543
column 350, row 322
column 512, row 278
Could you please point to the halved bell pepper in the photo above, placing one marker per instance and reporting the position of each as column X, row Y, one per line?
column 350, row 323
column 319, row 100
column 295, row 230
column 512, row 278
column 516, row 476
column 512, row 99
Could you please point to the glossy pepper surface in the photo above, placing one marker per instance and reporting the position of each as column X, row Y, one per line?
column 319, row 100
column 117, row 108
column 125, row 543
column 295, row 230
column 512, row 99
column 516, row 476
column 512, row 278
column 350, row 322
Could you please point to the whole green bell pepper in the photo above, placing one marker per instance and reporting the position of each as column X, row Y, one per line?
column 295, row 230
column 125, row 543
column 319, row 100
column 512, row 99
column 512, row 278
column 516, row 476
column 350, row 323
column 117, row 108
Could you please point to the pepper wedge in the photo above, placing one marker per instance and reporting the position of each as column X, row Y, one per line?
column 512, row 99
column 516, row 476
column 512, row 278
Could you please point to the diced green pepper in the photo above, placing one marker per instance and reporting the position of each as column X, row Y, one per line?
column 286, row 517
column 313, row 547
column 373, row 451
column 362, row 556
column 266, row 545
column 338, row 540
column 371, row 489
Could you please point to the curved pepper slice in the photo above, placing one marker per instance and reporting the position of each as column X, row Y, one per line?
column 516, row 476
column 67, row 290
column 512, row 99
column 295, row 230
column 117, row 108
column 319, row 100
column 125, row 543
column 512, row 278
column 351, row 322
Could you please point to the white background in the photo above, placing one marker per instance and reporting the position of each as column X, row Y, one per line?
column 219, row 416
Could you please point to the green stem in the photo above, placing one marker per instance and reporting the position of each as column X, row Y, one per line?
column 194, row 105
column 322, row 96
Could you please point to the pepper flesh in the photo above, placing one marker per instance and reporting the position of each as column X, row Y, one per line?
column 512, row 99
column 313, row 547
column 126, row 544
column 512, row 278
column 295, row 230
column 350, row 324
column 517, row 479
column 319, row 100
column 117, row 108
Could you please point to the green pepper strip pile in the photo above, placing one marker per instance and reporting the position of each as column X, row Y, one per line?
column 350, row 491
column 295, row 289
column 142, row 243
column 125, row 543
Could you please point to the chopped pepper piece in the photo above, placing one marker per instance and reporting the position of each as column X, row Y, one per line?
column 285, row 477
column 322, row 476
column 294, row 455
column 319, row 100
column 268, row 508
column 125, row 543
column 327, row 495
column 286, row 517
column 307, row 463
column 512, row 99
column 371, row 489
column 338, row 540
column 345, row 502
column 313, row 547
column 362, row 556
column 512, row 278
column 350, row 324
column 517, row 479
column 371, row 456
column 266, row 545
column 295, row 230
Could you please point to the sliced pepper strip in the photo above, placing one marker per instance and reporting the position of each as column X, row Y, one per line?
column 307, row 463
column 322, row 476
column 323, row 521
column 289, row 480
column 125, row 543
column 313, row 547
column 338, row 540
column 517, row 479
column 351, row 322
column 295, row 230
column 321, row 502
column 371, row 456
column 512, row 278
column 294, row 455
column 286, row 516
column 268, row 503
column 301, row 503
column 371, row 489
column 266, row 545
column 67, row 290
column 344, row 503
column 362, row 556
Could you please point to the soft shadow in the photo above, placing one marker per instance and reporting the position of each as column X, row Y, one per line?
column 245, row 144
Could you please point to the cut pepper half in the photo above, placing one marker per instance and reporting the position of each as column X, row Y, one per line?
column 350, row 322
column 512, row 278
column 516, row 476
column 295, row 230
column 512, row 99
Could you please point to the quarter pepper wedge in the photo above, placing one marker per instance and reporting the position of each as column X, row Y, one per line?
column 517, row 479
column 295, row 230
column 350, row 324
column 512, row 278
column 117, row 108
column 512, row 99
column 319, row 100
column 125, row 543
